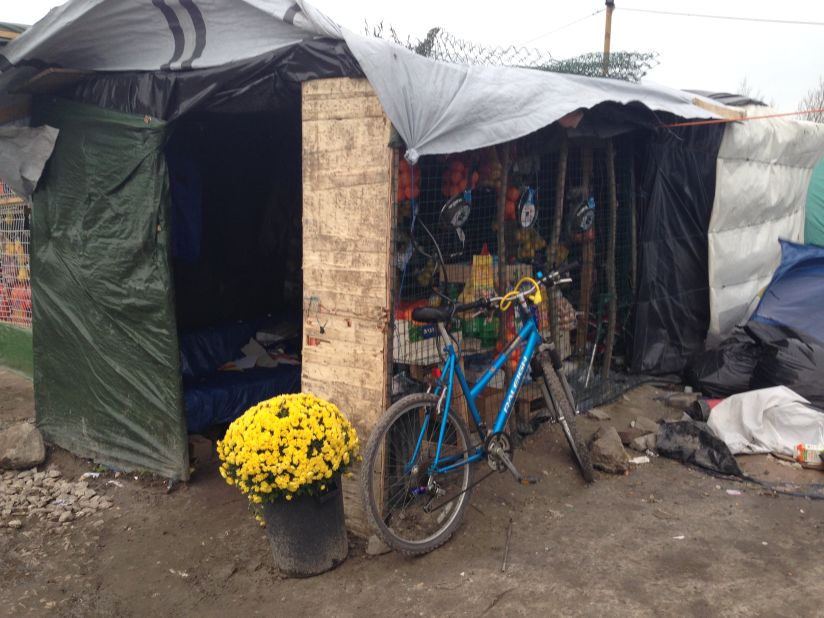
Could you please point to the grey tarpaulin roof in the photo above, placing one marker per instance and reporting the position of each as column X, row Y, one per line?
column 436, row 107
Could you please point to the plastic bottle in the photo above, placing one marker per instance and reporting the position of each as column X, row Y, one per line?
column 809, row 453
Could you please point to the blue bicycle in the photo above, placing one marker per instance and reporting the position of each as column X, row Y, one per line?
column 417, row 472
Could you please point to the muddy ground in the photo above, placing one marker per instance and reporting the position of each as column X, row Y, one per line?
column 662, row 540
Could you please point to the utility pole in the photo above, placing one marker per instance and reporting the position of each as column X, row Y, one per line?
column 607, row 34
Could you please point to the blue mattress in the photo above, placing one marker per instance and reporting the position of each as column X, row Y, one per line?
column 212, row 397
column 222, row 396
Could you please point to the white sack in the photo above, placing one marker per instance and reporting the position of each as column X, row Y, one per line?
column 770, row 420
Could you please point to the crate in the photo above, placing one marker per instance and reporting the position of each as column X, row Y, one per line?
column 415, row 344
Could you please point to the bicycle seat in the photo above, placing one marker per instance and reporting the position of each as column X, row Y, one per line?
column 431, row 315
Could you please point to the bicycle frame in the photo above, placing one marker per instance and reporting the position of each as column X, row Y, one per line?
column 532, row 337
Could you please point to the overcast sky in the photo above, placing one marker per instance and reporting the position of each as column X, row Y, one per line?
column 781, row 61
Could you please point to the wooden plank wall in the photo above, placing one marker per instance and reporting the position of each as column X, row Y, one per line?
column 347, row 218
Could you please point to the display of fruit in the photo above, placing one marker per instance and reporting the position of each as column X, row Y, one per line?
column 529, row 241
column 513, row 194
column 20, row 304
column 9, row 268
column 409, row 181
column 456, row 176
column 490, row 169
column 5, row 308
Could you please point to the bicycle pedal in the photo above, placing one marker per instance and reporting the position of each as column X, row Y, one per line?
column 528, row 480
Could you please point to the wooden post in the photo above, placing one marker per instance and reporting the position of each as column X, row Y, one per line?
column 588, row 258
column 502, row 188
column 504, row 158
column 610, row 266
column 607, row 34
column 633, row 231
column 555, row 241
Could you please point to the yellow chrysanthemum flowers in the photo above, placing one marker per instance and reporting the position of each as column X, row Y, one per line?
column 285, row 446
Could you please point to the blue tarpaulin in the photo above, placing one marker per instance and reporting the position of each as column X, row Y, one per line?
column 212, row 396
column 795, row 296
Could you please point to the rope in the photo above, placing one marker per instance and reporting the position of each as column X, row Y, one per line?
column 698, row 123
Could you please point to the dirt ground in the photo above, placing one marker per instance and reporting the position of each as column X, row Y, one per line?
column 662, row 540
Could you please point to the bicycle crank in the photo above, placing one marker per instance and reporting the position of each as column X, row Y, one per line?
column 499, row 457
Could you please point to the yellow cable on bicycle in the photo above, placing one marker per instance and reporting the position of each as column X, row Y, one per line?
column 506, row 301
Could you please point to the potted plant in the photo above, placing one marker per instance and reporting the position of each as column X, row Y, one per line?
column 287, row 455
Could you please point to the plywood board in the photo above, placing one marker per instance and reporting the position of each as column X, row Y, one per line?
column 347, row 211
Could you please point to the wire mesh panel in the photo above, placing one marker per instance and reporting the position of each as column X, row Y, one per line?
column 496, row 215
column 15, row 272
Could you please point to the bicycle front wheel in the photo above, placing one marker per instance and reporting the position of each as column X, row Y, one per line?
column 413, row 510
column 566, row 418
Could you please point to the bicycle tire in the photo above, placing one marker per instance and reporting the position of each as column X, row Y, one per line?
column 567, row 420
column 371, row 465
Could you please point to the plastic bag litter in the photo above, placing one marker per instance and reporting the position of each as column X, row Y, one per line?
column 725, row 370
column 693, row 443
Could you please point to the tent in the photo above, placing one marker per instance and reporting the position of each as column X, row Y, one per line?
column 795, row 295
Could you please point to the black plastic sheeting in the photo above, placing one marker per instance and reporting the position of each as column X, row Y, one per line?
column 673, row 307
column 691, row 442
column 725, row 370
column 761, row 356
column 262, row 84
column 788, row 358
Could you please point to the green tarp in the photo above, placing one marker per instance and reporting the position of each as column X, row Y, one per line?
column 814, row 223
column 106, row 365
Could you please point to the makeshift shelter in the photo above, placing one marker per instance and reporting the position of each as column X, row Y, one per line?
column 222, row 173
column 763, row 178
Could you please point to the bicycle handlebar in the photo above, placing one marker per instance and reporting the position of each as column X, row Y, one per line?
column 551, row 279
column 481, row 303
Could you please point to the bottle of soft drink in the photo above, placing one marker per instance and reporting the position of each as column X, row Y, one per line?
column 809, row 453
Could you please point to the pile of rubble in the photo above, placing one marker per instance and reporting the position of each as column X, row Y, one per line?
column 607, row 444
column 46, row 495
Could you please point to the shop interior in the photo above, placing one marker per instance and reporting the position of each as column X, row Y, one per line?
column 235, row 186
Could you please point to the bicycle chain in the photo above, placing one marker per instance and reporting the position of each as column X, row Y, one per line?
column 460, row 493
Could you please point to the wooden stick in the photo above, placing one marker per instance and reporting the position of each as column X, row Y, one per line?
column 588, row 259
column 633, row 205
column 610, row 266
column 555, row 241
column 504, row 158
column 506, row 547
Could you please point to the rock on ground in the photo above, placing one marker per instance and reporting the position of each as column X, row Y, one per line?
column 607, row 452
column 628, row 435
column 644, row 443
column 21, row 446
column 376, row 547
column 598, row 415
column 645, row 424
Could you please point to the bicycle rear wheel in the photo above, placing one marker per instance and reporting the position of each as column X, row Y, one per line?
column 566, row 418
column 415, row 512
